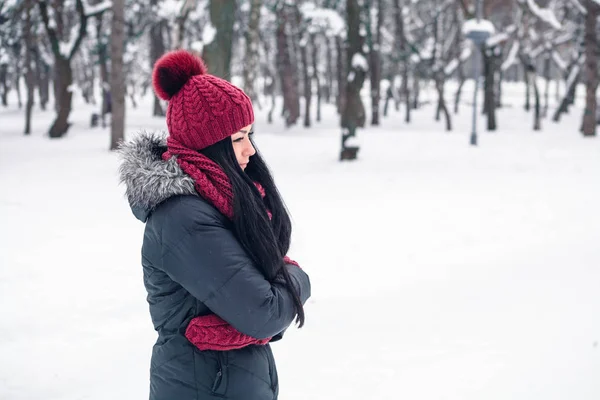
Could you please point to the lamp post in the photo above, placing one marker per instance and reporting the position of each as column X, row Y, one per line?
column 478, row 31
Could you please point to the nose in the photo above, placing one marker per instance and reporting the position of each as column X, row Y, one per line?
column 249, row 149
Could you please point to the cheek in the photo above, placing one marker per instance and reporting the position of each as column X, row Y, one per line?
column 238, row 150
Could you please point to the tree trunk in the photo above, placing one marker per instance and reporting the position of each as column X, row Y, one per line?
column 269, row 79
column 157, row 49
column 64, row 76
column 490, row 97
column 389, row 95
column 62, row 65
column 341, row 75
column 329, row 76
column 439, row 84
column 217, row 54
column 104, row 78
column 527, row 90
column 402, row 49
column 42, row 71
column 537, row 120
column 307, row 83
column 353, row 116
column 178, row 33
column 547, row 89
column 461, row 83
column 291, row 98
column 315, row 74
column 375, row 63
column 499, row 79
column 18, row 89
column 591, row 68
column 117, row 74
column 3, row 84
column 29, row 69
column 570, row 92
column 252, row 58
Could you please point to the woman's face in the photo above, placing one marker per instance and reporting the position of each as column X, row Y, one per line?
column 242, row 146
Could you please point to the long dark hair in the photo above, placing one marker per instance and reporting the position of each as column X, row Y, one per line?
column 265, row 240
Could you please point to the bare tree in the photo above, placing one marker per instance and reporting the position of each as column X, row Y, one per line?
column 285, row 67
column 217, row 54
column 63, row 55
column 353, row 116
column 252, row 54
column 117, row 74
column 402, row 50
column 29, row 39
column 591, row 67
column 157, row 49
column 374, row 43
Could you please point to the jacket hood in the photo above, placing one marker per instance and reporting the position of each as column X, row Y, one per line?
column 150, row 180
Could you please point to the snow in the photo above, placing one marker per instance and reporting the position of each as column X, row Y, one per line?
column 66, row 48
column 496, row 39
column 439, row 271
column 197, row 46
column 451, row 66
column 533, row 34
column 545, row 14
column 483, row 25
column 97, row 8
column 353, row 141
column 465, row 53
column 4, row 58
column 328, row 19
column 208, row 33
column 536, row 52
column 169, row 9
column 512, row 56
column 426, row 52
column 573, row 75
column 360, row 62
column 9, row 4
column 558, row 60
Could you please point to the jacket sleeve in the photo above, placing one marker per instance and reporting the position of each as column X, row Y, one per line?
column 204, row 257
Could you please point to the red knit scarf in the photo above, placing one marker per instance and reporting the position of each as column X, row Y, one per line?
column 210, row 332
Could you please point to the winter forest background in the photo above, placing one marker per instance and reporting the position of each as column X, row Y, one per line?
column 453, row 254
column 306, row 52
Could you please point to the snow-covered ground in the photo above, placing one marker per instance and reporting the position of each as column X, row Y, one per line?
column 439, row 271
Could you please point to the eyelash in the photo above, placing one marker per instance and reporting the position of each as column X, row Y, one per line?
column 242, row 138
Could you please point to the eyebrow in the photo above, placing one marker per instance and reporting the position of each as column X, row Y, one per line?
column 244, row 131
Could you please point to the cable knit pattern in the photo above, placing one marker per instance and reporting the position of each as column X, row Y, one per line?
column 203, row 109
column 210, row 332
column 209, row 179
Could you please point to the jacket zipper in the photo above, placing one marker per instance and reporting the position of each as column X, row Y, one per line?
column 219, row 376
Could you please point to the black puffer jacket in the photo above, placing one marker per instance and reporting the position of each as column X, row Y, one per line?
column 194, row 265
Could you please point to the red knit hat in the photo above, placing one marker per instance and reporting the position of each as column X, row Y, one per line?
column 203, row 109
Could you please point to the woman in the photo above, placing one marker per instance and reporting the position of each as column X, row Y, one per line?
column 219, row 285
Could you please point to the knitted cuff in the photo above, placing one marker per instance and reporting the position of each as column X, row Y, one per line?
column 210, row 332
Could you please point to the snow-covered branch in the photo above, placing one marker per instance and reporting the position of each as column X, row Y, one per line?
column 544, row 14
column 91, row 11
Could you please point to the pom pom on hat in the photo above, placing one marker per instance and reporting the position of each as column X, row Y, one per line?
column 173, row 70
column 203, row 109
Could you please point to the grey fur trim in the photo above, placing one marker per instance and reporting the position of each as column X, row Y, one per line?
column 149, row 180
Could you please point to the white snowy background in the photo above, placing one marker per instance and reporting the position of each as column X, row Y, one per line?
column 440, row 271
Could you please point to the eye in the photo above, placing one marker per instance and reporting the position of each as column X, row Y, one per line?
column 251, row 132
column 238, row 139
